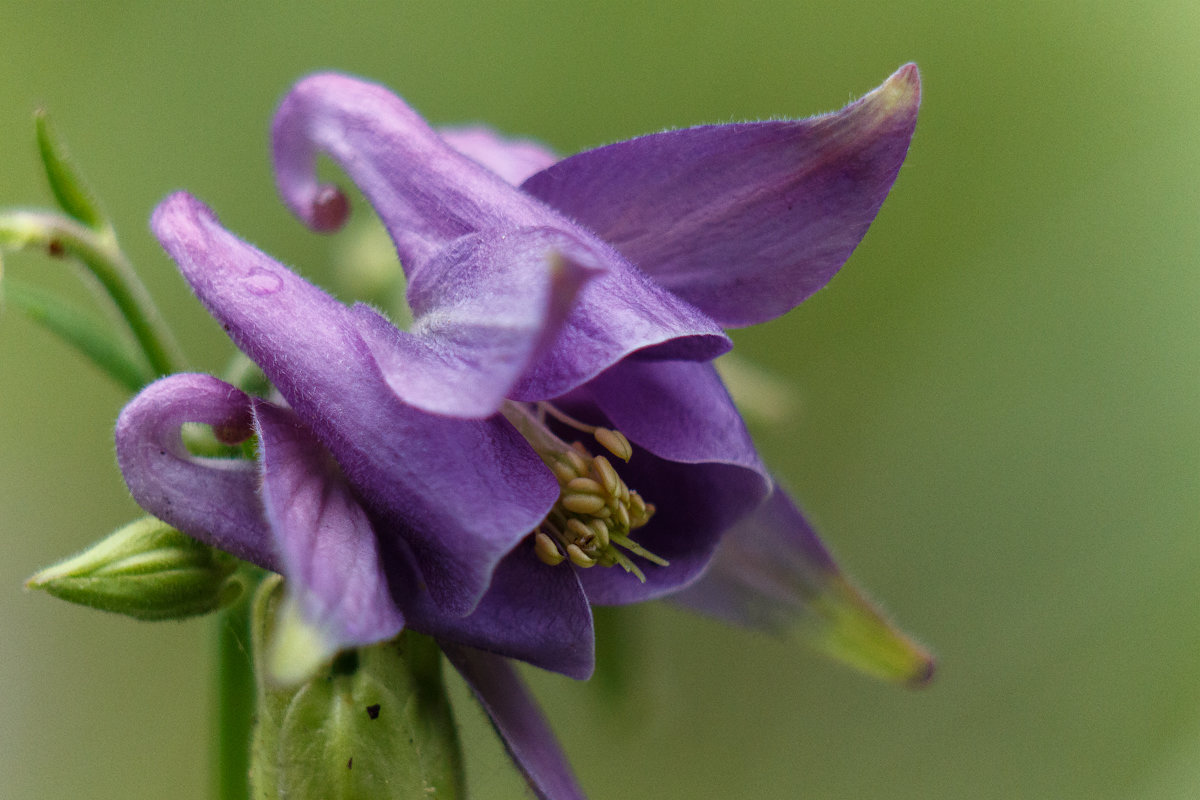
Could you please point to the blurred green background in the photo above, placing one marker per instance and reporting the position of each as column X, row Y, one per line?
column 996, row 401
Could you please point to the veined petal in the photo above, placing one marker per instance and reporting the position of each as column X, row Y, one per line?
column 213, row 499
column 461, row 493
column 429, row 195
column 693, row 459
column 513, row 711
column 327, row 548
column 514, row 160
column 772, row 572
column 745, row 221
column 483, row 310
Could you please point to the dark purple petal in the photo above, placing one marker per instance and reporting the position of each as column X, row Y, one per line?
column 693, row 459
column 532, row 611
column 514, row 160
column 461, row 493
column 747, row 220
column 213, row 499
column 772, row 572
column 517, row 719
column 429, row 195
column 483, row 310
column 326, row 545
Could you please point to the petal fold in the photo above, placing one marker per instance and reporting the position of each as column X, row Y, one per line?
column 772, row 572
column 212, row 499
column 460, row 493
column 515, row 714
column 327, row 548
column 745, row 220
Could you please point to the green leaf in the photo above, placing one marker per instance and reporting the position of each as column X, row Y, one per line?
column 146, row 570
column 115, row 356
column 72, row 194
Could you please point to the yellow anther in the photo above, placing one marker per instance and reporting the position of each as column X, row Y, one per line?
column 577, row 461
column 579, row 558
column 614, row 442
column 584, row 486
column 583, row 504
column 600, row 532
column 582, row 533
column 564, row 472
column 546, row 550
column 602, row 468
column 623, row 516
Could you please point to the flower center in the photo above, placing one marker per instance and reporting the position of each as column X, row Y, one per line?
column 596, row 512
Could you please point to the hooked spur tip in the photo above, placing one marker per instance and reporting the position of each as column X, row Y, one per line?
column 330, row 209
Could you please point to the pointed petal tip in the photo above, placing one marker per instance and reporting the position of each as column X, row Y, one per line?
column 899, row 93
column 853, row 631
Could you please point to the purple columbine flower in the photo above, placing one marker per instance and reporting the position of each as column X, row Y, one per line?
column 549, row 433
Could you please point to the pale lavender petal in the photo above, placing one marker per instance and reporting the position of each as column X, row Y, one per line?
column 483, row 310
column 461, row 493
column 326, row 545
column 744, row 220
column 514, row 160
column 213, row 499
column 428, row 195
column 532, row 611
column 517, row 719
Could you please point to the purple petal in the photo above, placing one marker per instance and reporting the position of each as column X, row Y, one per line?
column 213, row 499
column 326, row 545
column 484, row 310
column 693, row 459
column 772, row 572
column 745, row 221
column 429, row 195
column 533, row 612
column 517, row 719
column 514, row 160
column 461, row 493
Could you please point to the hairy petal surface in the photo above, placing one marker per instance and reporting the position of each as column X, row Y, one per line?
column 213, row 499
column 461, row 493
column 483, row 310
column 429, row 196
column 747, row 220
column 514, row 160
column 327, row 548
column 518, row 720
column 772, row 572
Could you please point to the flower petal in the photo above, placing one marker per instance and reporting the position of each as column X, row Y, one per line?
column 213, row 499
column 514, row 160
column 747, row 220
column 461, row 493
column 514, row 712
column 428, row 195
column 771, row 571
column 484, row 309
column 533, row 612
column 693, row 459
column 326, row 545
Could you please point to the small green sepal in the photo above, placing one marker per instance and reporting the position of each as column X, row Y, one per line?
column 146, row 570
column 70, row 190
column 373, row 724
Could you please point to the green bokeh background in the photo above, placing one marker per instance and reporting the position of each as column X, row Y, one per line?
column 996, row 401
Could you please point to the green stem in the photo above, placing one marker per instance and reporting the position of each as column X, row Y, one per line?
column 234, row 712
column 100, row 254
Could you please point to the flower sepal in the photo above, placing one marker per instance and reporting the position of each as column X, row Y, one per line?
column 146, row 570
column 374, row 724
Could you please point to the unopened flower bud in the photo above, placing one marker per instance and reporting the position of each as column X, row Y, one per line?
column 146, row 570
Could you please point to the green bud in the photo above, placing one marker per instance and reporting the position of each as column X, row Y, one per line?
column 147, row 570
column 373, row 725
column 72, row 194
